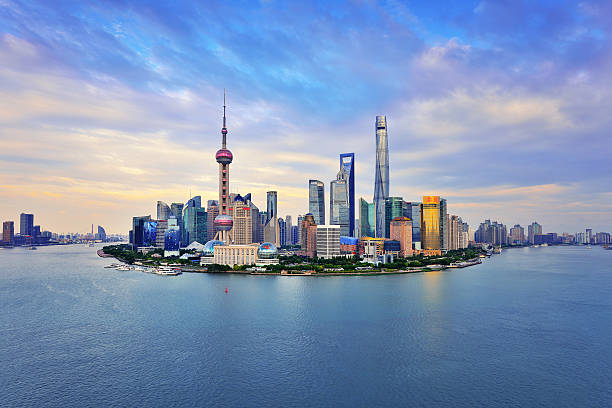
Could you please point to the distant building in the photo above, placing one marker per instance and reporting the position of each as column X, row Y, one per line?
column 26, row 226
column 271, row 232
column 8, row 232
column 493, row 233
column 339, row 211
column 347, row 162
column 309, row 236
column 371, row 249
column 176, row 210
column 288, row 226
column 236, row 254
column 172, row 238
column 394, row 207
column 295, row 234
column 150, row 233
column 412, row 210
column 160, row 233
column 282, row 232
column 212, row 211
column 138, row 224
column 272, row 210
column 349, row 246
column 517, row 235
column 328, row 241
column 400, row 230
column 366, row 218
column 163, row 211
column 443, row 225
column 240, row 211
column 316, row 201
column 588, row 233
column 431, row 225
column 533, row 230
column 101, row 235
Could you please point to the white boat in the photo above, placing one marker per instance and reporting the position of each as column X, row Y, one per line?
column 167, row 271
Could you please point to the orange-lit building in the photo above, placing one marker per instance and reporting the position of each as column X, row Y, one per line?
column 430, row 226
column 401, row 230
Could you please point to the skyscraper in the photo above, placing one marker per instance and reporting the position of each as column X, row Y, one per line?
column 412, row 210
column 212, row 211
column 401, row 230
column 364, row 224
column 443, row 225
column 394, row 207
column 347, row 162
column 272, row 209
column 26, row 224
column 163, row 211
column 243, row 221
column 430, row 224
column 316, row 201
column 223, row 222
column 328, row 241
column 138, row 229
column 533, row 230
column 339, row 212
column 381, row 176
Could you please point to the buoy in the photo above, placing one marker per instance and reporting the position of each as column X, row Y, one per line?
column 225, row 290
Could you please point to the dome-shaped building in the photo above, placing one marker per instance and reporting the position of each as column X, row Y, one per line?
column 267, row 254
column 208, row 252
column 224, row 156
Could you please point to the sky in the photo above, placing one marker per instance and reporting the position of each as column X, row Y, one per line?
column 501, row 107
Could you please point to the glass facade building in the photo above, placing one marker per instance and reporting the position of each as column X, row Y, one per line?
column 163, row 211
column 272, row 209
column 347, row 162
column 430, row 223
column 150, row 230
column 394, row 207
column 381, row 176
column 26, row 224
column 316, row 201
column 339, row 212
column 412, row 210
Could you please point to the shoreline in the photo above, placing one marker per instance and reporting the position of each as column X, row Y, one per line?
column 424, row 269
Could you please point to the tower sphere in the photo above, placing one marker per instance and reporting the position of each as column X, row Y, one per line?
column 224, row 156
column 223, row 222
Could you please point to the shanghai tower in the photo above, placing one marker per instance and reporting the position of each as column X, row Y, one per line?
column 381, row 178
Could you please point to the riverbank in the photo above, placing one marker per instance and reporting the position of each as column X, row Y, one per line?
column 313, row 273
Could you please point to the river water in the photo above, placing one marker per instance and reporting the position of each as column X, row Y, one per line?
column 529, row 327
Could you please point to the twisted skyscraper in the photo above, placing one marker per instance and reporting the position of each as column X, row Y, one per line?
column 381, row 179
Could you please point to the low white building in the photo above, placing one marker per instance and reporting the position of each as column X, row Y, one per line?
column 328, row 241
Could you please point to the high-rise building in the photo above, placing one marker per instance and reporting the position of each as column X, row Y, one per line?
column 443, row 225
column 393, row 208
column 347, row 162
column 176, row 210
column 271, row 232
column 295, row 233
column 223, row 222
column 533, row 230
column 289, row 227
column 588, row 233
column 8, row 232
column 430, row 224
column 243, row 221
column 517, row 234
column 493, row 233
column 282, row 232
column 172, row 237
column 381, row 176
column 101, row 235
column 364, row 225
column 339, row 211
column 316, row 200
column 138, row 224
column 299, row 225
column 309, row 236
column 328, row 241
column 149, row 235
column 195, row 223
column 412, row 210
column 26, row 224
column 160, row 233
column 163, row 211
column 272, row 205
column 211, row 213
column 401, row 230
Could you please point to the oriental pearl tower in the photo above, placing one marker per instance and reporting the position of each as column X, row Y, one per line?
column 223, row 222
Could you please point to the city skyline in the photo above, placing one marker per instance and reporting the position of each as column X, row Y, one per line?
column 507, row 129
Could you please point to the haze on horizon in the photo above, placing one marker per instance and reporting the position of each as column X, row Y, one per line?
column 503, row 108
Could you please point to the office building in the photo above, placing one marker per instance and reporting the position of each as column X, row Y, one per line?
column 288, row 226
column 172, row 238
column 412, row 210
column 347, row 162
column 138, row 228
column 271, row 232
column 101, row 235
column 150, row 233
column 242, row 219
column 299, row 226
column 316, row 201
column 236, row 254
column 339, row 212
column 394, row 207
column 494, row 233
column 163, row 211
column 381, row 176
column 295, row 235
column 401, row 231
column 272, row 205
column 282, row 232
column 26, row 224
column 430, row 225
column 8, row 232
column 328, row 241
column 160, row 233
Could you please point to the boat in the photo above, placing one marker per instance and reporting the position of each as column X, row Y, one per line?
column 167, row 271
column 32, row 248
column 91, row 244
column 497, row 250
